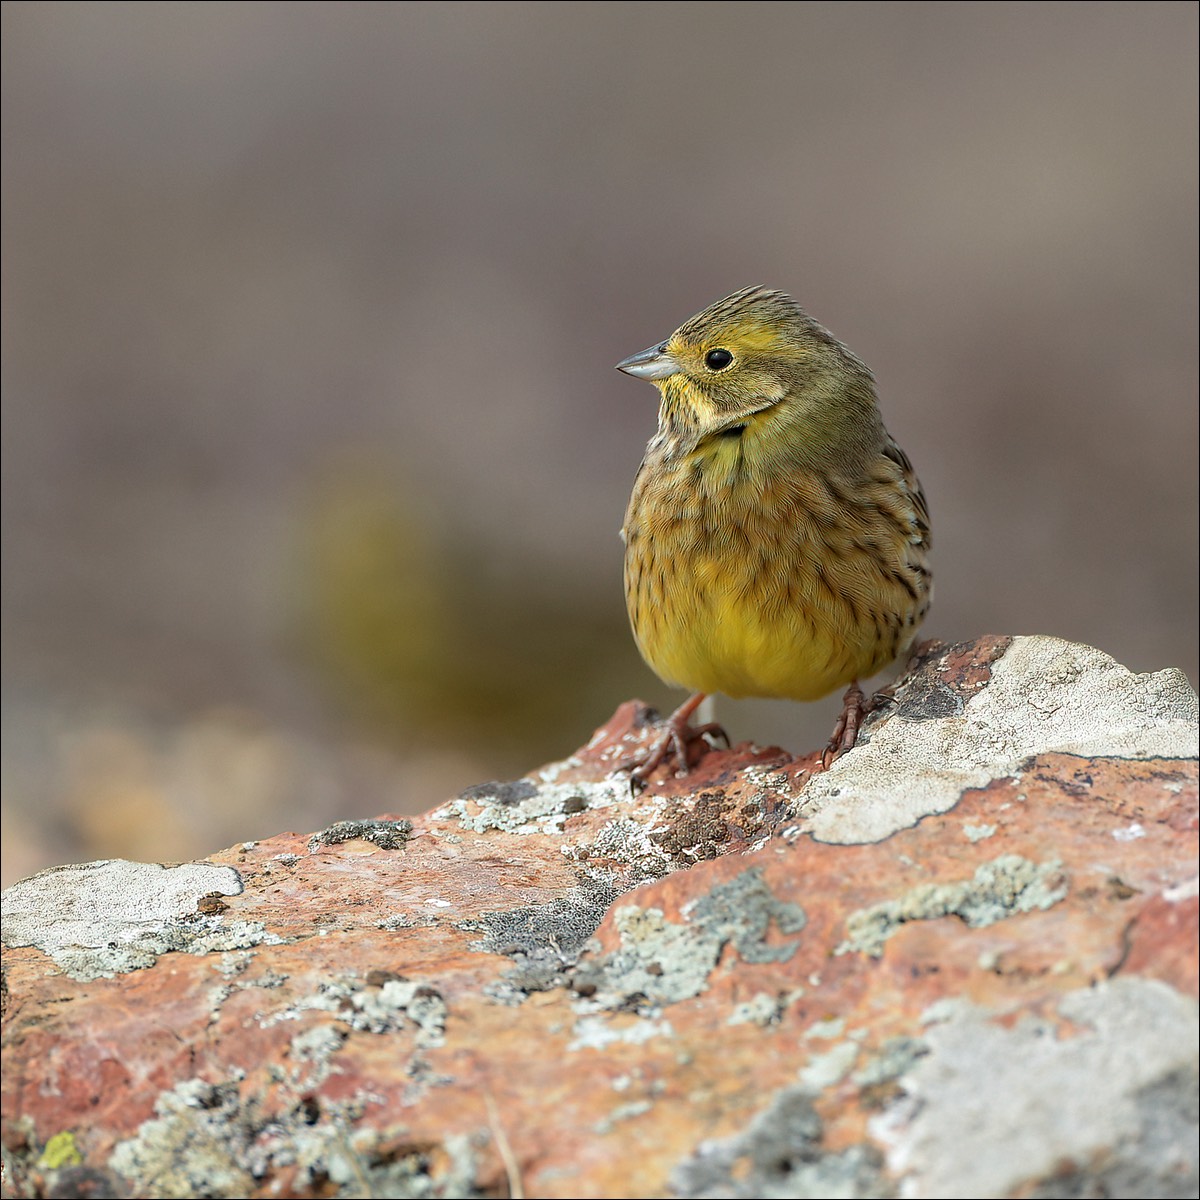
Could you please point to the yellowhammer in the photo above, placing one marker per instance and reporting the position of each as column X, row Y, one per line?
column 777, row 539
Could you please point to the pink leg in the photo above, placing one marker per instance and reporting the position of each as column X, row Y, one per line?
column 845, row 732
column 673, row 739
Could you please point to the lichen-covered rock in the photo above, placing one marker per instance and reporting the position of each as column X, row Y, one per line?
column 963, row 962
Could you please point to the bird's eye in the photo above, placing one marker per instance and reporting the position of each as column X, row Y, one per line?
column 717, row 360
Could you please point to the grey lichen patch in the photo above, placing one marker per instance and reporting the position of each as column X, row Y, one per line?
column 525, row 807
column 1001, row 888
column 779, row 1154
column 562, row 924
column 398, row 921
column 544, row 940
column 387, row 835
column 1116, row 1099
column 741, row 911
column 204, row 1140
column 1044, row 695
column 666, row 962
column 360, row 1163
column 498, row 791
column 101, row 919
column 194, row 1145
column 1164, row 1162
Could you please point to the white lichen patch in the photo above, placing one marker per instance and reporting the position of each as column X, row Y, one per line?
column 1045, row 695
column 763, row 1008
column 524, row 807
column 994, row 1111
column 100, row 919
column 1130, row 833
column 599, row 1030
column 978, row 833
column 768, row 783
column 628, row 843
column 824, row 1070
column 310, row 1057
column 1001, row 888
column 1188, row 890
column 623, row 1112
column 665, row 961
column 826, row 1030
column 399, row 1004
column 551, row 771
column 205, row 1140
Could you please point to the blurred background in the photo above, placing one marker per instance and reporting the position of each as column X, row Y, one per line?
column 314, row 453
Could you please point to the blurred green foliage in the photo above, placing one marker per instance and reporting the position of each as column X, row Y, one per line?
column 421, row 635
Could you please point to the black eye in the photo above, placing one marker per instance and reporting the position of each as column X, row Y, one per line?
column 717, row 360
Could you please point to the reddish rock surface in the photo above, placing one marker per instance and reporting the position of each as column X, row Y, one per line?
column 962, row 962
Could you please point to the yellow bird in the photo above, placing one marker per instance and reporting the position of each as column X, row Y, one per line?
column 777, row 539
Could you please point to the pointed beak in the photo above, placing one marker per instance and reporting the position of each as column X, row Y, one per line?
column 651, row 364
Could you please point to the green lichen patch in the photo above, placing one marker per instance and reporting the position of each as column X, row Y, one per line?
column 1004, row 887
column 60, row 1151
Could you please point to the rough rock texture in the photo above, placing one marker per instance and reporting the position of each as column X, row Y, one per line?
column 961, row 963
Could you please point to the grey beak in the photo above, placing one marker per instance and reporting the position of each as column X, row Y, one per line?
column 651, row 364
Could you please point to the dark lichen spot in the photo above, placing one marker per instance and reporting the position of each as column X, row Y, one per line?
column 699, row 832
column 780, row 1153
column 377, row 977
column 84, row 1183
column 928, row 699
column 1118, row 889
column 387, row 835
column 545, row 939
column 498, row 792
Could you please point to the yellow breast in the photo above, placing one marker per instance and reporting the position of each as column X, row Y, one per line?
column 753, row 583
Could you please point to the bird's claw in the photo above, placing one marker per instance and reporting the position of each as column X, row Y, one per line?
column 674, row 737
column 855, row 709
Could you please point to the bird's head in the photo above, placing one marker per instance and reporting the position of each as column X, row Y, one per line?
column 753, row 352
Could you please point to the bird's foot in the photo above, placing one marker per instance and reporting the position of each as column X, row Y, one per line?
column 855, row 708
column 674, row 738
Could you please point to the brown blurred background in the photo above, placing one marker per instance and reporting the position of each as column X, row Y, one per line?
column 314, row 456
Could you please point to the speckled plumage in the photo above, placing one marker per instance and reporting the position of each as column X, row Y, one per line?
column 777, row 538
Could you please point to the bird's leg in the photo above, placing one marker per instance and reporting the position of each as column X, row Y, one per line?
column 674, row 736
column 845, row 732
column 855, row 707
